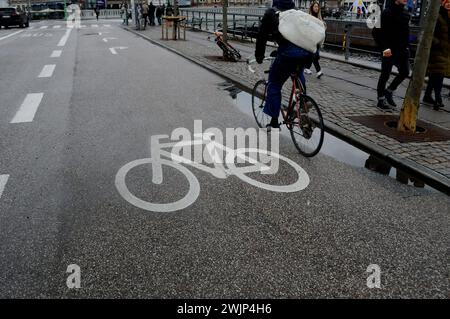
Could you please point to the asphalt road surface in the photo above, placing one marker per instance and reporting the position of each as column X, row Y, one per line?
column 70, row 120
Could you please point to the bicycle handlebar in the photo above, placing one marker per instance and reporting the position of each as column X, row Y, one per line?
column 251, row 61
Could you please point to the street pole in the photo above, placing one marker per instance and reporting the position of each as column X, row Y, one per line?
column 225, row 21
column 65, row 10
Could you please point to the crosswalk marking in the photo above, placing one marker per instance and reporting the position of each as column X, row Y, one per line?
column 28, row 108
column 43, row 27
column 94, row 25
column 3, row 181
column 56, row 26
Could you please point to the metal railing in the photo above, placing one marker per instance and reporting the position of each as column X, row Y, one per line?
column 240, row 19
column 104, row 14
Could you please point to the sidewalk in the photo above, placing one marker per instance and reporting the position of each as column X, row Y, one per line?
column 343, row 92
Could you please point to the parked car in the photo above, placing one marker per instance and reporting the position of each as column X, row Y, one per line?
column 13, row 17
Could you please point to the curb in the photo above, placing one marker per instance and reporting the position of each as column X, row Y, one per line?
column 428, row 176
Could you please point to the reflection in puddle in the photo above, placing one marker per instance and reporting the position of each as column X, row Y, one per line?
column 332, row 146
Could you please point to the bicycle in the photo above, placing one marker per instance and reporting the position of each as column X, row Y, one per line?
column 229, row 52
column 301, row 116
column 219, row 170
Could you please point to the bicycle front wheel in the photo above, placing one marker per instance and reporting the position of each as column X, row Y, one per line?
column 258, row 100
column 307, row 128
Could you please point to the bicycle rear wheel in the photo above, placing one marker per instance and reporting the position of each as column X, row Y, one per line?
column 307, row 128
column 258, row 100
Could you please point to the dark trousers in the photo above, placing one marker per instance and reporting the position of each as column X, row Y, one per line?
column 280, row 71
column 316, row 63
column 159, row 20
column 401, row 61
column 435, row 83
column 144, row 16
column 151, row 17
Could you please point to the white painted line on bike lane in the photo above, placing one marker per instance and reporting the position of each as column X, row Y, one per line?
column 3, row 181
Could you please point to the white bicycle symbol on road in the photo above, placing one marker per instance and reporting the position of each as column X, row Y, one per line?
column 160, row 157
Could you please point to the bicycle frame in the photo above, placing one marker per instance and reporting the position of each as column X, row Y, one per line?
column 218, row 170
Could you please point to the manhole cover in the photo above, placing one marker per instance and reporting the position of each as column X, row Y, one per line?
column 387, row 125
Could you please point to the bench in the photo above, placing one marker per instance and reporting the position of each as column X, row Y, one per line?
column 196, row 21
column 245, row 30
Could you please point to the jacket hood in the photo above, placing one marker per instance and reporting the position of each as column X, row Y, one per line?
column 283, row 4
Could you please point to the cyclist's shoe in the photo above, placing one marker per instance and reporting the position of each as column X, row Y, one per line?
column 308, row 71
column 390, row 98
column 319, row 74
column 428, row 99
column 274, row 124
column 383, row 106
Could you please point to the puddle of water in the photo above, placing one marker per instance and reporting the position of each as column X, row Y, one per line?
column 332, row 146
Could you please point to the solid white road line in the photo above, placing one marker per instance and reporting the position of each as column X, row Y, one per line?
column 28, row 108
column 56, row 54
column 10, row 35
column 64, row 38
column 47, row 71
column 43, row 27
column 107, row 25
column 56, row 26
column 3, row 181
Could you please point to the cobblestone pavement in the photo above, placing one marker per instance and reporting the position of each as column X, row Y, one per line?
column 337, row 105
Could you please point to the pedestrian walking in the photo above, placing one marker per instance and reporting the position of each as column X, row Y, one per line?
column 97, row 12
column 315, row 11
column 439, row 63
column 159, row 13
column 145, row 10
column 393, row 39
column 152, row 10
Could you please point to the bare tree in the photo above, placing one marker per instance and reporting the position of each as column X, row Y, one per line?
column 408, row 114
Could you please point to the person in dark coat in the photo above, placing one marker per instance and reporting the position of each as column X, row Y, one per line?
column 151, row 14
column 159, row 12
column 394, row 43
column 439, row 63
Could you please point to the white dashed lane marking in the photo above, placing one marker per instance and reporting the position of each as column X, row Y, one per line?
column 56, row 54
column 47, row 71
column 64, row 38
column 3, row 181
column 28, row 108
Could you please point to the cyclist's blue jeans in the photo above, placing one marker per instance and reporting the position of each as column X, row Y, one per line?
column 282, row 68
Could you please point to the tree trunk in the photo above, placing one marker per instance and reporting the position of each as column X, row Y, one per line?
column 408, row 114
column 225, row 20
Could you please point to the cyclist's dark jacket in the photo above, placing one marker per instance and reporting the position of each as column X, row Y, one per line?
column 395, row 29
column 268, row 30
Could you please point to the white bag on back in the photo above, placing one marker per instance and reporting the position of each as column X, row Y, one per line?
column 301, row 29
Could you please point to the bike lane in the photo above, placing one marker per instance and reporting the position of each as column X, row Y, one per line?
column 235, row 240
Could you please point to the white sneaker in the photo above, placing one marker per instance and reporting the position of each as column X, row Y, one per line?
column 308, row 71
column 319, row 74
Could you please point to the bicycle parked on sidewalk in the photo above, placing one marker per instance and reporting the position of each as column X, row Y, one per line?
column 229, row 52
column 301, row 115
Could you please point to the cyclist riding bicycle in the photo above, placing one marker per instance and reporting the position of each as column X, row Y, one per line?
column 290, row 58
